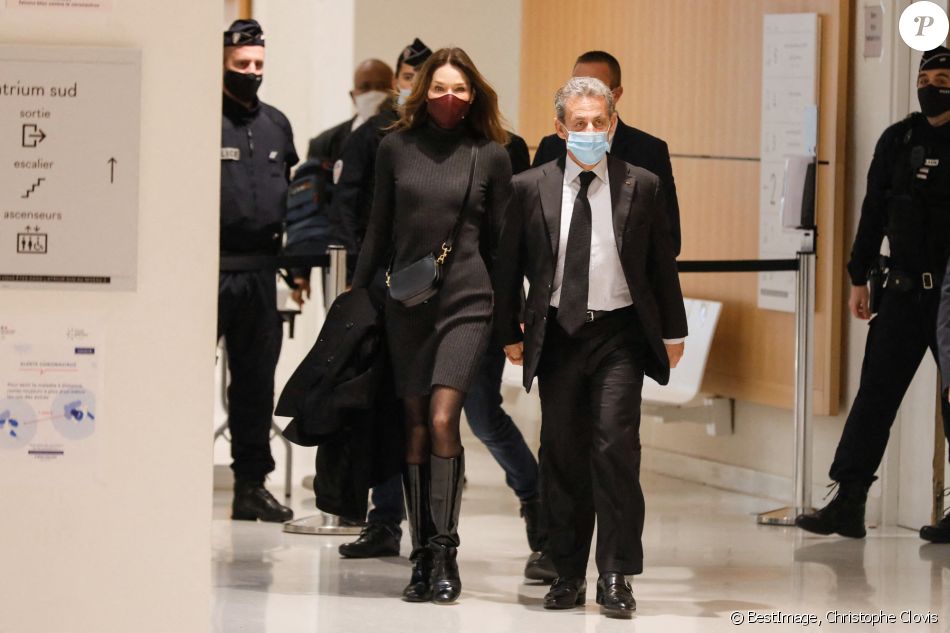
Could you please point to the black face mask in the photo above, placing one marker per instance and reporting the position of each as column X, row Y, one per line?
column 934, row 101
column 242, row 86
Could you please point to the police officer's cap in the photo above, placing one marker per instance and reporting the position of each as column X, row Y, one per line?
column 416, row 54
column 936, row 58
column 244, row 33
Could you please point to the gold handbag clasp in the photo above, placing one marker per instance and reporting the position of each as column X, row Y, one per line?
column 445, row 253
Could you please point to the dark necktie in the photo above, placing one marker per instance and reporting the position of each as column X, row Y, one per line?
column 572, row 310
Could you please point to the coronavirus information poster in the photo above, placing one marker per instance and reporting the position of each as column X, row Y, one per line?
column 50, row 376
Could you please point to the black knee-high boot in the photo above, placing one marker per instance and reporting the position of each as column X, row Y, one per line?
column 446, row 502
column 415, row 482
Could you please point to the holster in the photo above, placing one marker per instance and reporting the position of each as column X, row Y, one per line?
column 876, row 281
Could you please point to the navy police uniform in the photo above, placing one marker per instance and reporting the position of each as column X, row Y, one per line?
column 907, row 201
column 257, row 152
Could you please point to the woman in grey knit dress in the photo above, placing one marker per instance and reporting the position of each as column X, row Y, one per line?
column 422, row 170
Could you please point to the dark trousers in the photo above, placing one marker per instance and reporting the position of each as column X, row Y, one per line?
column 251, row 326
column 495, row 428
column 590, row 388
column 898, row 337
column 388, row 504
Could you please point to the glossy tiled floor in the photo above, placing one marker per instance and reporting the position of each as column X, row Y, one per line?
column 706, row 558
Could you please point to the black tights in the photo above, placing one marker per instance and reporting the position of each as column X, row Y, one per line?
column 432, row 425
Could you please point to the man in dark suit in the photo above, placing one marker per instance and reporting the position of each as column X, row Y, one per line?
column 590, row 233
column 627, row 143
column 373, row 82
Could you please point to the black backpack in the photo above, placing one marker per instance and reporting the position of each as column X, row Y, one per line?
column 308, row 202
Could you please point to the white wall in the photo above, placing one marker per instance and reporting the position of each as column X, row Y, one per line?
column 308, row 70
column 126, row 547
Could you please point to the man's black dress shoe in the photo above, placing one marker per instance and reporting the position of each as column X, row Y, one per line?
column 540, row 567
column 252, row 502
column 566, row 593
column 615, row 596
column 375, row 541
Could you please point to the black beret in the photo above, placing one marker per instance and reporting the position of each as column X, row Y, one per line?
column 415, row 54
column 935, row 58
column 244, row 33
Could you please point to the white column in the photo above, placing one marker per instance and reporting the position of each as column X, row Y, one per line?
column 121, row 543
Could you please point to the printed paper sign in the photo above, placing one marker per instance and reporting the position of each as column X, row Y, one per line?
column 84, row 5
column 50, row 377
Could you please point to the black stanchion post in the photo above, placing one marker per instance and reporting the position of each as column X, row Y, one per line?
column 323, row 523
column 336, row 283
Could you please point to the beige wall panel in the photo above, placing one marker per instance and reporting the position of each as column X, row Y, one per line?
column 692, row 76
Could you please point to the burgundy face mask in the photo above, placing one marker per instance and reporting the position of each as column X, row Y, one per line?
column 447, row 111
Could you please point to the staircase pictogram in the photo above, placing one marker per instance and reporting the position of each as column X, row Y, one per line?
column 33, row 188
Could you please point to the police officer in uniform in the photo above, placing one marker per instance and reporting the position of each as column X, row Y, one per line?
column 907, row 201
column 257, row 152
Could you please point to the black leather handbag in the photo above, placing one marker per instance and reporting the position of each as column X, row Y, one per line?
column 420, row 281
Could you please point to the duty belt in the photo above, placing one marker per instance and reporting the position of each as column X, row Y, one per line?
column 905, row 283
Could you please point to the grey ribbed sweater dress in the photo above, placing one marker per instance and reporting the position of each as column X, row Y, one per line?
column 421, row 176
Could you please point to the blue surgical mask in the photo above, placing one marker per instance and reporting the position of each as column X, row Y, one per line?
column 403, row 95
column 588, row 147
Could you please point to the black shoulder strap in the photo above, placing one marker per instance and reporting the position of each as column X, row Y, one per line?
column 902, row 167
column 909, row 123
column 449, row 242
column 460, row 221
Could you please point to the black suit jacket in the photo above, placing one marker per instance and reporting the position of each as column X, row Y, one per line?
column 328, row 145
column 518, row 153
column 529, row 246
column 637, row 148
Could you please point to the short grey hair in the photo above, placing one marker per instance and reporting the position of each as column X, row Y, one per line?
column 582, row 87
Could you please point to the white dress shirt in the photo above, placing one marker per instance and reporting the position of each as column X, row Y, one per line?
column 607, row 286
column 607, row 289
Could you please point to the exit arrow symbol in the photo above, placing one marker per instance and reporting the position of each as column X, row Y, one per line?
column 112, row 162
column 32, row 135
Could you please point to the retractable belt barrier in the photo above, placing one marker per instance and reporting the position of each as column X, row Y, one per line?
column 248, row 263
column 804, row 267
column 738, row 266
